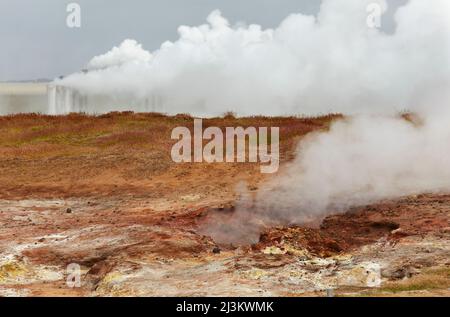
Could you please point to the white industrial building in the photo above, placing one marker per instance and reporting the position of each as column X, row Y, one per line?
column 62, row 100
column 53, row 99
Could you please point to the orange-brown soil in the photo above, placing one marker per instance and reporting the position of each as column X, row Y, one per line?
column 102, row 192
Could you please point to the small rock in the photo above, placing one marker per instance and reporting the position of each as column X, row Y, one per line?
column 69, row 210
column 397, row 273
column 216, row 250
column 398, row 230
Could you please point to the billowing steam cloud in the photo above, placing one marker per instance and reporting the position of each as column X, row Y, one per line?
column 366, row 157
column 332, row 62
column 360, row 160
column 307, row 65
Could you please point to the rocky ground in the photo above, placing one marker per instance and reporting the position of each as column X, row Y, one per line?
column 129, row 220
column 139, row 246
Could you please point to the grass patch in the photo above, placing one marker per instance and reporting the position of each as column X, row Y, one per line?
column 430, row 279
column 39, row 136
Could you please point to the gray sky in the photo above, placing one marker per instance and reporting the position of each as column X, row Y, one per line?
column 36, row 43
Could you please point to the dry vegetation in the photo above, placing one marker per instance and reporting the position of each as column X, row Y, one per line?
column 49, row 155
column 430, row 279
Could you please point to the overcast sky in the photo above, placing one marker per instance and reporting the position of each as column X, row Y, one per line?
column 36, row 42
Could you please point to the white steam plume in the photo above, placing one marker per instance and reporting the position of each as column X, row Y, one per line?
column 307, row 65
column 362, row 159
column 310, row 65
column 373, row 155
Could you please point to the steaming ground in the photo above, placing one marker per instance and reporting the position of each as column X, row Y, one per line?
column 360, row 160
column 332, row 62
column 103, row 192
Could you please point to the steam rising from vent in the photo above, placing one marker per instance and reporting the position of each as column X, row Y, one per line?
column 361, row 160
column 332, row 62
column 373, row 153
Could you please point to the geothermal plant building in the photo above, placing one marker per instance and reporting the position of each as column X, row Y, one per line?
column 53, row 99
